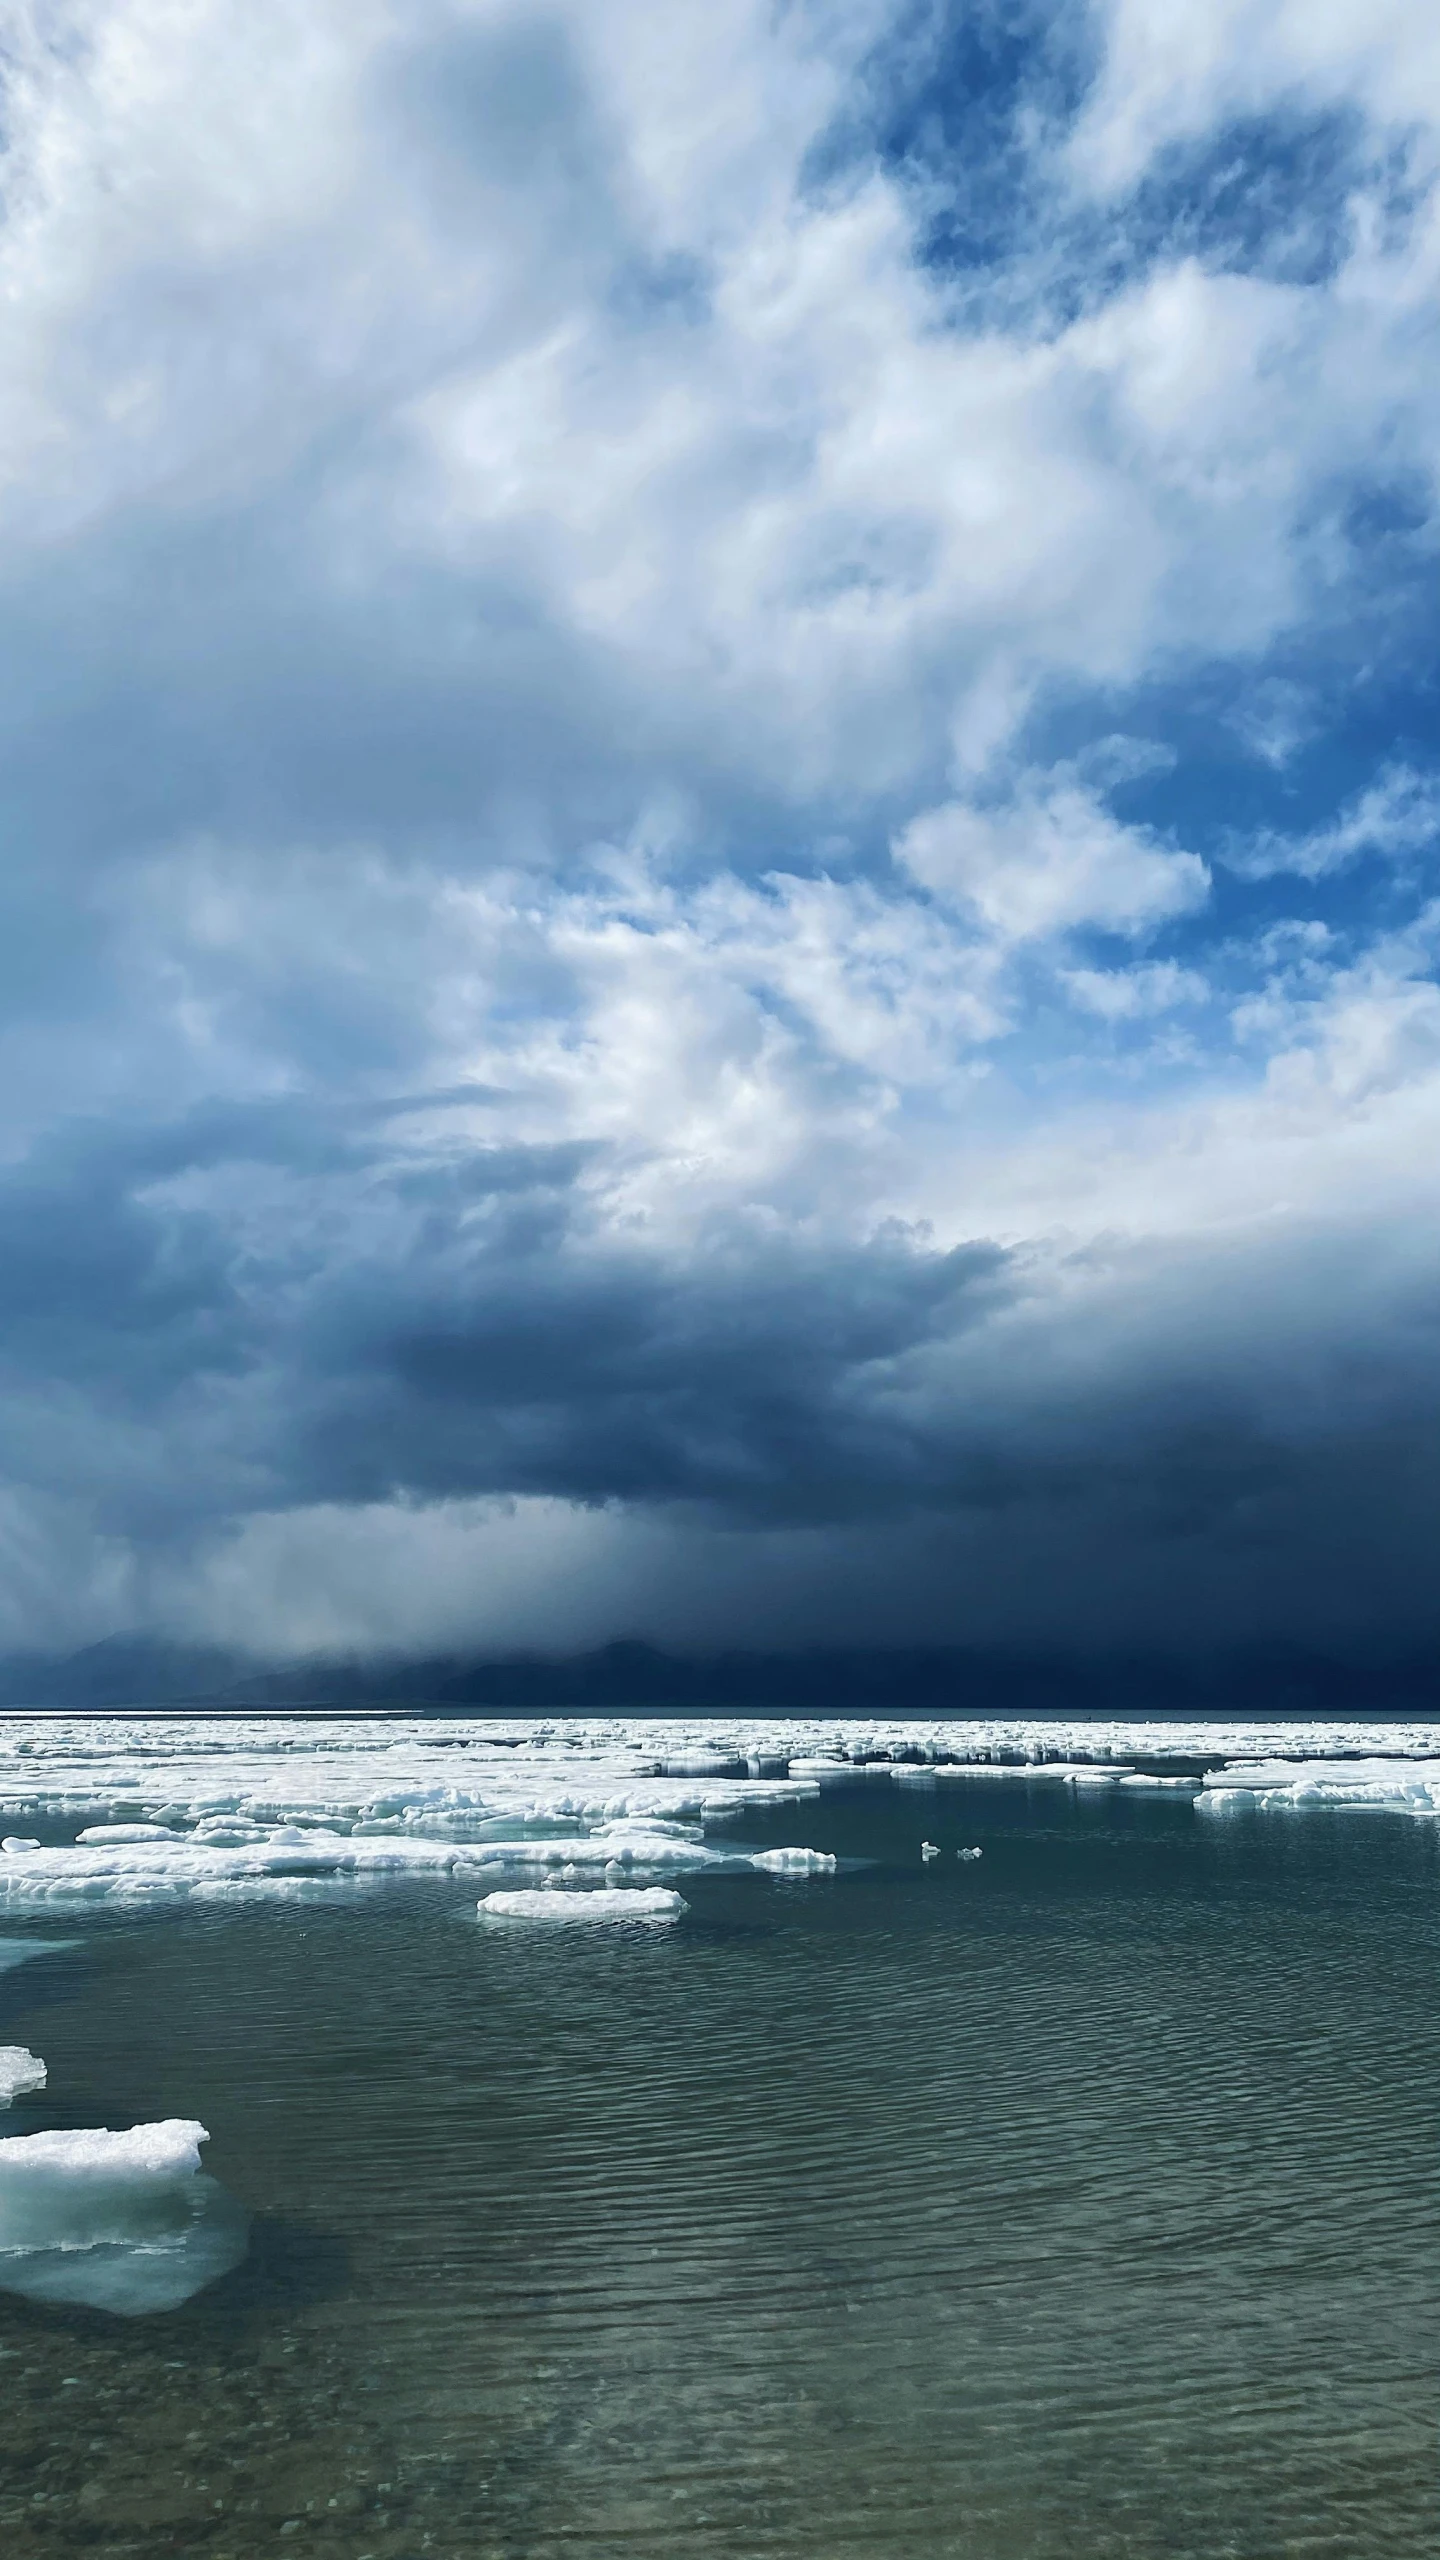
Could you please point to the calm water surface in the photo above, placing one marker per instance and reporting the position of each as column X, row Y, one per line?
column 1077, row 2202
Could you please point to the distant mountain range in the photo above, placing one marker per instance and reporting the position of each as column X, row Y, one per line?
column 134, row 1671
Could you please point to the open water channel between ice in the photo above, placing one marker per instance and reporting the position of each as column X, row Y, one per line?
column 1076, row 2200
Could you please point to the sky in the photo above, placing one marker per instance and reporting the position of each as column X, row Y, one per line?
column 720, row 800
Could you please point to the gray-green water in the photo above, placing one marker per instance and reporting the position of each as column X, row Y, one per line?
column 1078, row 2202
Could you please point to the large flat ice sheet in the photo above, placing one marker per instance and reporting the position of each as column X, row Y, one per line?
column 1382, row 1783
column 276, row 1862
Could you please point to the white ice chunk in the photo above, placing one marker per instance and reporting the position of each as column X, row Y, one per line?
column 794, row 1862
column 121, row 1835
column 119, row 2221
column 1377, row 1785
column 929, row 1849
column 965, row 1856
column 623, row 1902
column 20, row 2072
column 16, row 1846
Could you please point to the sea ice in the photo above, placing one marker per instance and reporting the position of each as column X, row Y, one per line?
column 224, row 1807
column 624, row 1902
column 612, row 1844
column 929, row 1849
column 119, row 1835
column 20, row 2072
column 794, row 1862
column 1378, row 1785
column 120, row 2222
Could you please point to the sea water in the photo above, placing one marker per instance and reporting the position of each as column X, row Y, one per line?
column 1077, row 2200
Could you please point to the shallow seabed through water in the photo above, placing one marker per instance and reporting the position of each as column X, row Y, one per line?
column 1075, row 2202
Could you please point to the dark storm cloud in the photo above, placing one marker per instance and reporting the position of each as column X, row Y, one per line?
column 296, row 1317
column 484, row 1339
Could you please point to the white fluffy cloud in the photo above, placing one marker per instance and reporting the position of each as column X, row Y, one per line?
column 1171, row 73
column 1048, row 862
column 552, row 312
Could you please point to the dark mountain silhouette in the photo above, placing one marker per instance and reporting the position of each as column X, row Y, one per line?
column 636, row 1678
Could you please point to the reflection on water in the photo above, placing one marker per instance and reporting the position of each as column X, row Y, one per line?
column 1077, row 2202
column 137, row 2247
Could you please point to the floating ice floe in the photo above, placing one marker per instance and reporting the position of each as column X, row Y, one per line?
column 120, row 2222
column 116, row 1835
column 624, row 1844
column 20, row 2072
column 603, row 1902
column 289, row 1861
column 794, row 1862
column 968, row 1856
column 223, row 1807
column 929, row 1849
column 1382, row 1785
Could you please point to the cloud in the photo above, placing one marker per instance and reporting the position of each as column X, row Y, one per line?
column 658, row 960
column 1052, row 860
column 1174, row 72
column 1130, row 995
column 1398, row 814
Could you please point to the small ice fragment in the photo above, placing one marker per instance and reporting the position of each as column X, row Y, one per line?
column 965, row 1855
column 14, row 1847
column 929, row 1849
column 794, row 1862
column 121, row 2222
column 608, row 1902
column 20, row 2072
